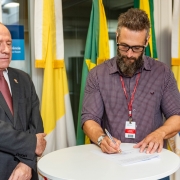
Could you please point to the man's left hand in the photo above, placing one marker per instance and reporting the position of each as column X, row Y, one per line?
column 151, row 143
column 21, row 172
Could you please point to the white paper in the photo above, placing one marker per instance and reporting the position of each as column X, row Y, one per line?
column 129, row 155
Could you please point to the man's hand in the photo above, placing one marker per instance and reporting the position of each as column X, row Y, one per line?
column 107, row 146
column 21, row 172
column 41, row 144
column 151, row 143
column 93, row 130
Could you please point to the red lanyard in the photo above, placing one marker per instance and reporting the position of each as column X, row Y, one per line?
column 132, row 97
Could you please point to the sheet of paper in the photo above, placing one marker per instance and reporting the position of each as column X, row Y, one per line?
column 129, row 155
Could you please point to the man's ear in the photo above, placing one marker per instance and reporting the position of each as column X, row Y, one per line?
column 147, row 40
column 117, row 37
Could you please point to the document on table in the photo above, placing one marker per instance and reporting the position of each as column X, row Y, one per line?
column 129, row 155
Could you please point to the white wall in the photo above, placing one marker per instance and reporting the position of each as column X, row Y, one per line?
column 163, row 21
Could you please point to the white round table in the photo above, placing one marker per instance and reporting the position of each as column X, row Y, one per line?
column 81, row 163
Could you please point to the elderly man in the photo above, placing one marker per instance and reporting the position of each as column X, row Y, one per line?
column 21, row 128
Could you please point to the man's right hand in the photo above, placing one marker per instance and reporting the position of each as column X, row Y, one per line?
column 107, row 146
column 21, row 172
column 41, row 144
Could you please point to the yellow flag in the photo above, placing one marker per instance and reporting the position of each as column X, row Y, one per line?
column 49, row 53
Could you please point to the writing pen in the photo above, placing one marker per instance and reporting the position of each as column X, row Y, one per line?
column 110, row 137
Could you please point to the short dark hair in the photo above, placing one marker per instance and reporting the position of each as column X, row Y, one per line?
column 134, row 19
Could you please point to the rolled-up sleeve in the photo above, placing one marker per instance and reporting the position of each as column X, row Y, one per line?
column 92, row 108
column 171, row 97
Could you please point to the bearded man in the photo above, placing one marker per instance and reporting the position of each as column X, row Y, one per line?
column 129, row 94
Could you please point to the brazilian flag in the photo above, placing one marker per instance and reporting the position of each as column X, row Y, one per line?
column 148, row 6
column 96, row 52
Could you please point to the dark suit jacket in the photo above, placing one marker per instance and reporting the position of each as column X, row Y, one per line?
column 17, row 132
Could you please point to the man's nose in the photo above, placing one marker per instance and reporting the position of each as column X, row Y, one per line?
column 4, row 48
column 129, row 53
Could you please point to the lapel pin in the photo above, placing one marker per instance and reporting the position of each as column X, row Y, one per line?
column 15, row 80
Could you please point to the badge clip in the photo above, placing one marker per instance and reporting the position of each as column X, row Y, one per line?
column 130, row 120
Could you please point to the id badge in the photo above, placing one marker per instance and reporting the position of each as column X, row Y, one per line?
column 130, row 129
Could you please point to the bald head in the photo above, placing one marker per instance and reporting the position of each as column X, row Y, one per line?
column 5, row 47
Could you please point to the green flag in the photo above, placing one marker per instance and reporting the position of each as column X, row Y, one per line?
column 96, row 52
column 148, row 6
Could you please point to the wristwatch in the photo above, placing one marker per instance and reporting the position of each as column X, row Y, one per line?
column 100, row 139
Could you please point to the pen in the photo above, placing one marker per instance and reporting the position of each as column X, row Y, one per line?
column 111, row 138
column 109, row 135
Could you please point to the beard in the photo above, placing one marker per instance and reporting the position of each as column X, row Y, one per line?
column 127, row 67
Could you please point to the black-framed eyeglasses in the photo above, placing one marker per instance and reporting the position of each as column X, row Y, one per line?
column 125, row 47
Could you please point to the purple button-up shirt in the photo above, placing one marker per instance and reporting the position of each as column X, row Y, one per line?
column 105, row 101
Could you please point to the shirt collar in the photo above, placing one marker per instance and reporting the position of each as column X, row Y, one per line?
column 113, row 68
column 146, row 65
column 5, row 71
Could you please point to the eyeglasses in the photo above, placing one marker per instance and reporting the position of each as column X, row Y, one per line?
column 125, row 47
